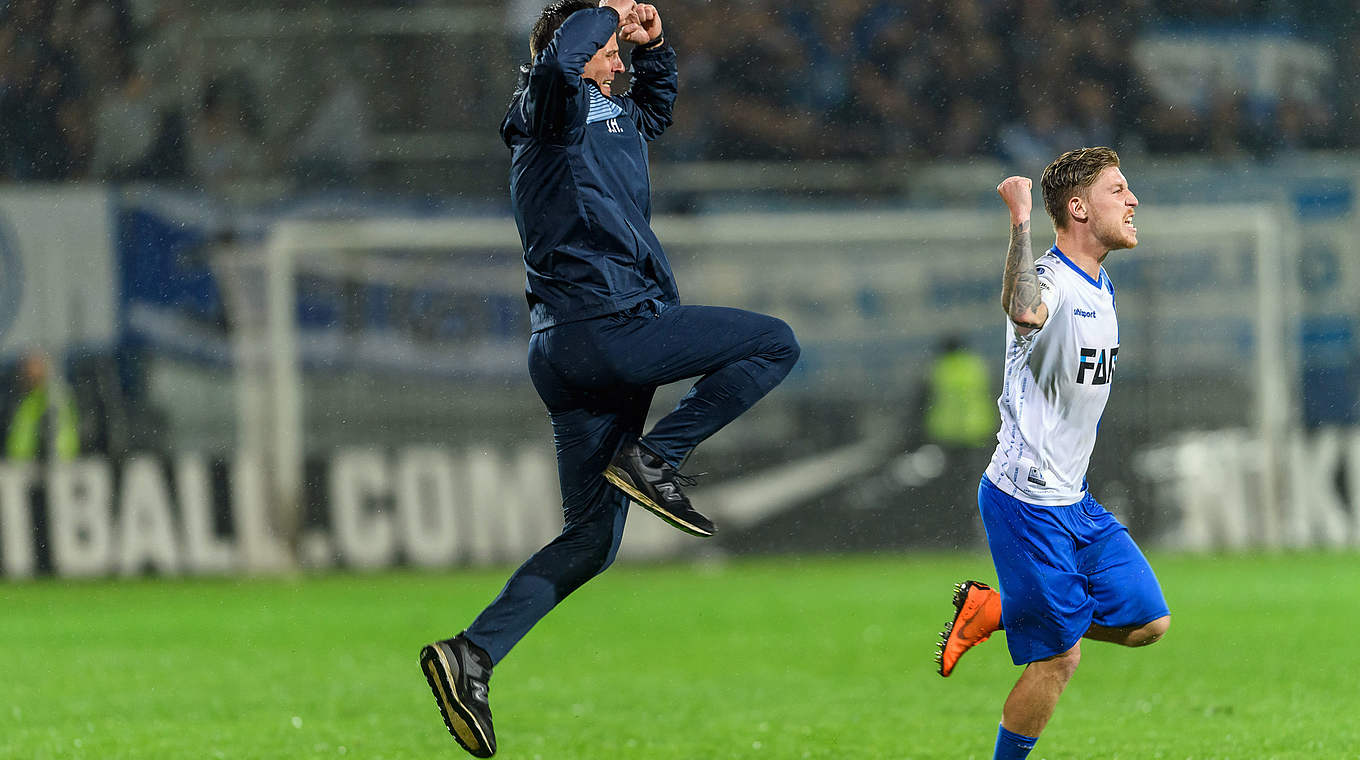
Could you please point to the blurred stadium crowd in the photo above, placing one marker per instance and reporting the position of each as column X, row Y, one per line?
column 1014, row 79
column 74, row 95
column 125, row 89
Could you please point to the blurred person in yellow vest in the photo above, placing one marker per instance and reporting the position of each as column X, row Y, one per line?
column 958, row 424
column 960, row 407
column 44, row 424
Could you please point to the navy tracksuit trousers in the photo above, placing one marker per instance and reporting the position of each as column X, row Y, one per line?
column 597, row 378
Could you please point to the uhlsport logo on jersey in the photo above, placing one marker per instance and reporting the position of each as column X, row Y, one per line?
column 1098, row 363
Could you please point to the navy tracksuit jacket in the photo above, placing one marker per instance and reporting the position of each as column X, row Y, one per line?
column 607, row 323
column 578, row 178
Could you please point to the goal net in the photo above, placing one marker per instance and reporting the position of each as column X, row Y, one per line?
column 381, row 377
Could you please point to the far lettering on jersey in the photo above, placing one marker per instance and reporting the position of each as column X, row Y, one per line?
column 1100, row 364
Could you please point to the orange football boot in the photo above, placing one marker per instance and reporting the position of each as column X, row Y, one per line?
column 977, row 615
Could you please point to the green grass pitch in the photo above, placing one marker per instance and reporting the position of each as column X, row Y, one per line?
column 773, row 658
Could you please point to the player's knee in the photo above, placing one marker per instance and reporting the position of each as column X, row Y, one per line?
column 1152, row 632
column 1062, row 666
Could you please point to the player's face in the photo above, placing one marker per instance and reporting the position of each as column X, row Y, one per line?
column 602, row 67
column 1112, row 204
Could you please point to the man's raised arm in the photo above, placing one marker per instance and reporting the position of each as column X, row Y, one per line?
column 1020, row 296
column 555, row 101
column 655, row 82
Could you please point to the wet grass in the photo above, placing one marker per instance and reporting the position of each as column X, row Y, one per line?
column 776, row 658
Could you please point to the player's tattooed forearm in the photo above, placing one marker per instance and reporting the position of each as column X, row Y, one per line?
column 1020, row 289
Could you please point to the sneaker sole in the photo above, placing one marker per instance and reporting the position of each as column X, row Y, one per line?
column 621, row 480
column 435, row 661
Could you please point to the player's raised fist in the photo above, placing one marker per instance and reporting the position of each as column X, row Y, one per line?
column 643, row 26
column 1015, row 191
column 627, row 10
column 650, row 19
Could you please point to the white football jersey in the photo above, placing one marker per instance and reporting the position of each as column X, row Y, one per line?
column 1056, row 385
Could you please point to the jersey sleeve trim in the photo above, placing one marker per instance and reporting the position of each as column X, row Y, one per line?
column 1050, row 289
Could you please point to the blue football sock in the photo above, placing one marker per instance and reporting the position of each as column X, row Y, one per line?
column 1012, row 746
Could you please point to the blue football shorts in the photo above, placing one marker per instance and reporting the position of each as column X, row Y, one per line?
column 1062, row 569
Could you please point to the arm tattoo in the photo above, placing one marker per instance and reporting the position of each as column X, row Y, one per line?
column 1020, row 288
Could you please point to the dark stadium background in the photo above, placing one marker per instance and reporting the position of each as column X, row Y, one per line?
column 181, row 133
column 242, row 509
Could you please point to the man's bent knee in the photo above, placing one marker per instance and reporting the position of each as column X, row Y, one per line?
column 787, row 342
column 1150, row 633
column 780, row 347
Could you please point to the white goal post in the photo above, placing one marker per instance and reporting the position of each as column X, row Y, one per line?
column 847, row 282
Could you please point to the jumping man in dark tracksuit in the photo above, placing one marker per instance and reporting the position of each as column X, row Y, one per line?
column 608, row 327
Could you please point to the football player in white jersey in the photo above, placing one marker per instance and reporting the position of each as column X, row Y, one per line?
column 1067, row 568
